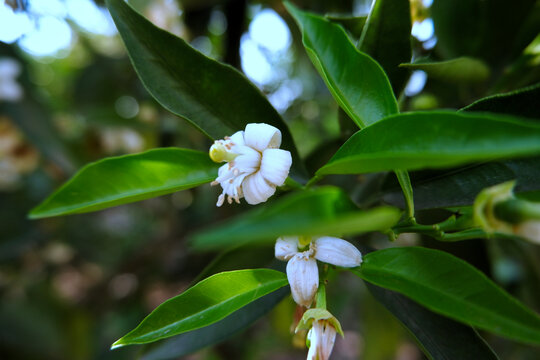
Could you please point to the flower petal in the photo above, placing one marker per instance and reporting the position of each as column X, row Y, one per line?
column 303, row 276
column 337, row 252
column 286, row 247
column 256, row 189
column 248, row 161
column 275, row 165
column 262, row 137
column 529, row 230
column 237, row 139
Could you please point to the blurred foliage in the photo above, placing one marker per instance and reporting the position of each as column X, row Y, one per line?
column 69, row 287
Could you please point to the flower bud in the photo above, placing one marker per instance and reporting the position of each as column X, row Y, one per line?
column 303, row 276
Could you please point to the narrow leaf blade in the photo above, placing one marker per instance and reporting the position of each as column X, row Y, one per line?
column 324, row 211
column 356, row 81
column 462, row 70
column 204, row 304
column 124, row 179
column 452, row 287
column 192, row 341
column 418, row 140
column 387, row 38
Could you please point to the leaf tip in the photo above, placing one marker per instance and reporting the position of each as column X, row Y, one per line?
column 118, row 344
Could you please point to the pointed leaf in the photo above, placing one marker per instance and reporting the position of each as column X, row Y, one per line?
column 436, row 139
column 463, row 70
column 216, row 98
column 387, row 38
column 124, row 179
column 324, row 211
column 439, row 337
column 450, row 286
column 521, row 102
column 204, row 304
column 192, row 341
column 355, row 80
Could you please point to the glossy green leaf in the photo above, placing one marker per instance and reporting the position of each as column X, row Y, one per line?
column 355, row 80
column 387, row 38
column 459, row 187
column 204, row 304
column 214, row 97
column 353, row 24
column 450, row 286
column 439, row 337
column 124, row 179
column 435, row 139
column 463, row 70
column 192, row 341
column 323, row 211
column 521, row 102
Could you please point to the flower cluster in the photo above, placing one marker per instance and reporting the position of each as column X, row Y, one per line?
column 255, row 164
column 302, row 270
column 254, row 167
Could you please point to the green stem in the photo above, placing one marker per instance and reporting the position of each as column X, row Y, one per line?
column 517, row 210
column 293, row 184
column 405, row 183
column 313, row 180
column 321, row 295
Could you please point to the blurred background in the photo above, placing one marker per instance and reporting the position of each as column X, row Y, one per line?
column 71, row 286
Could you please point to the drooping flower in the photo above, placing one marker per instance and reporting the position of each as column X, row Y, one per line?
column 302, row 270
column 255, row 164
column 323, row 328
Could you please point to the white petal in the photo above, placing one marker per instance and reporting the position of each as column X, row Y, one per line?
column 286, row 247
column 256, row 189
column 327, row 339
column 337, row 252
column 529, row 230
column 262, row 137
column 248, row 161
column 303, row 276
column 237, row 139
column 275, row 165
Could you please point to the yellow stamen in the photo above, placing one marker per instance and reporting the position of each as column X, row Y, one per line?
column 220, row 153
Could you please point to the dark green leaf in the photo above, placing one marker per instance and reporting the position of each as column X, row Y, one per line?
column 214, row 97
column 197, row 339
column 353, row 24
column 459, row 187
column 387, row 38
column 434, row 140
column 355, row 80
column 439, row 337
column 324, row 211
column 204, row 304
column 463, row 70
column 452, row 287
column 522, row 102
column 124, row 179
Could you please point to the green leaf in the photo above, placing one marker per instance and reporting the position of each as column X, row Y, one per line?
column 192, row 341
column 387, row 38
column 355, row 80
column 124, row 179
column 463, row 70
column 521, row 102
column 216, row 98
column 439, row 337
column 353, row 24
column 459, row 187
column 450, row 286
column 323, row 211
column 204, row 304
column 438, row 139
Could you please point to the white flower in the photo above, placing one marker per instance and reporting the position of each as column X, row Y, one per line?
column 323, row 327
column 321, row 337
column 302, row 270
column 255, row 164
